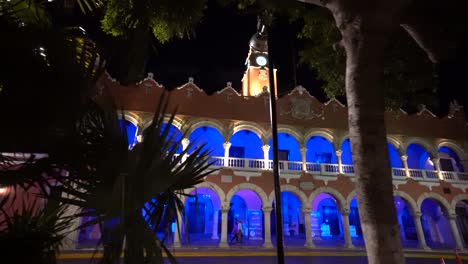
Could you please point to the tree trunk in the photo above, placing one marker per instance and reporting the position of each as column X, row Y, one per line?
column 364, row 39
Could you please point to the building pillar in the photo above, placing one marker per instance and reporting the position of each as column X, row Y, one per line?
column 185, row 143
column 266, row 156
column 224, row 222
column 178, row 230
column 404, row 160
column 436, row 162
column 346, row 231
column 456, row 234
column 267, row 225
column 309, row 243
column 304, row 158
column 71, row 239
column 338, row 154
column 419, row 231
column 226, row 146
column 215, row 224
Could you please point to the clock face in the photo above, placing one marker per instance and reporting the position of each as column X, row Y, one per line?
column 261, row 60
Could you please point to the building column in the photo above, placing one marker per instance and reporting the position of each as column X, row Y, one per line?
column 267, row 225
column 224, row 222
column 419, row 231
column 304, row 158
column 338, row 159
column 215, row 224
column 436, row 162
column 71, row 239
column 226, row 146
column 346, row 231
column 178, row 230
column 309, row 243
column 266, row 156
column 404, row 160
column 185, row 143
column 456, row 234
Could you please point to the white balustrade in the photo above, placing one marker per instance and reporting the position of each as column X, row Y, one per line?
column 398, row 172
column 414, row 173
column 449, row 175
column 462, row 176
column 347, row 169
column 430, row 175
column 327, row 169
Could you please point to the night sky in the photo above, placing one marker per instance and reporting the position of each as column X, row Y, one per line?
column 216, row 54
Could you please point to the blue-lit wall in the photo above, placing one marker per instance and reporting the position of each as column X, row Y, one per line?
column 212, row 139
column 175, row 135
column 346, row 157
column 289, row 143
column 395, row 160
column 320, row 150
column 250, row 142
column 131, row 131
column 418, row 157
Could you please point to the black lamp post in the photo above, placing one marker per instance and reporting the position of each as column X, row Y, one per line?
column 276, row 173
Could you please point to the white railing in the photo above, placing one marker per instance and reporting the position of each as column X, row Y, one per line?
column 398, row 172
column 328, row 169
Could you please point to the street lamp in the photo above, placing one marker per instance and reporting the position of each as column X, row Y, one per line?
column 276, row 173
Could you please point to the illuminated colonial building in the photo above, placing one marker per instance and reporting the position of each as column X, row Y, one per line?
column 429, row 156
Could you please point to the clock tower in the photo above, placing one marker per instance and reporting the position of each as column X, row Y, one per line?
column 256, row 77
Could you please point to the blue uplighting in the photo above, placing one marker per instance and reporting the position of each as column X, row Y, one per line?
column 131, row 131
column 175, row 135
column 287, row 143
column 418, row 157
column 320, row 150
column 394, row 156
column 247, row 144
column 346, row 157
column 212, row 139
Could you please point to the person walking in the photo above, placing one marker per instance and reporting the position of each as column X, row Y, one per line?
column 239, row 231
column 234, row 232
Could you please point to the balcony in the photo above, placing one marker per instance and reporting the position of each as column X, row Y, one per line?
column 325, row 169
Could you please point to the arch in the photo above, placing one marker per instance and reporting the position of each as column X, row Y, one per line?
column 397, row 144
column 454, row 146
column 291, row 131
column 341, row 201
column 131, row 130
column 320, row 150
column 246, row 186
column 133, row 118
column 443, row 203
column 177, row 122
column 197, row 123
column 394, row 156
column 427, row 145
column 208, row 185
column 349, row 198
column 289, row 188
column 408, row 199
column 209, row 137
column 322, row 133
column 458, row 198
column 419, row 157
column 261, row 133
column 347, row 153
column 288, row 143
